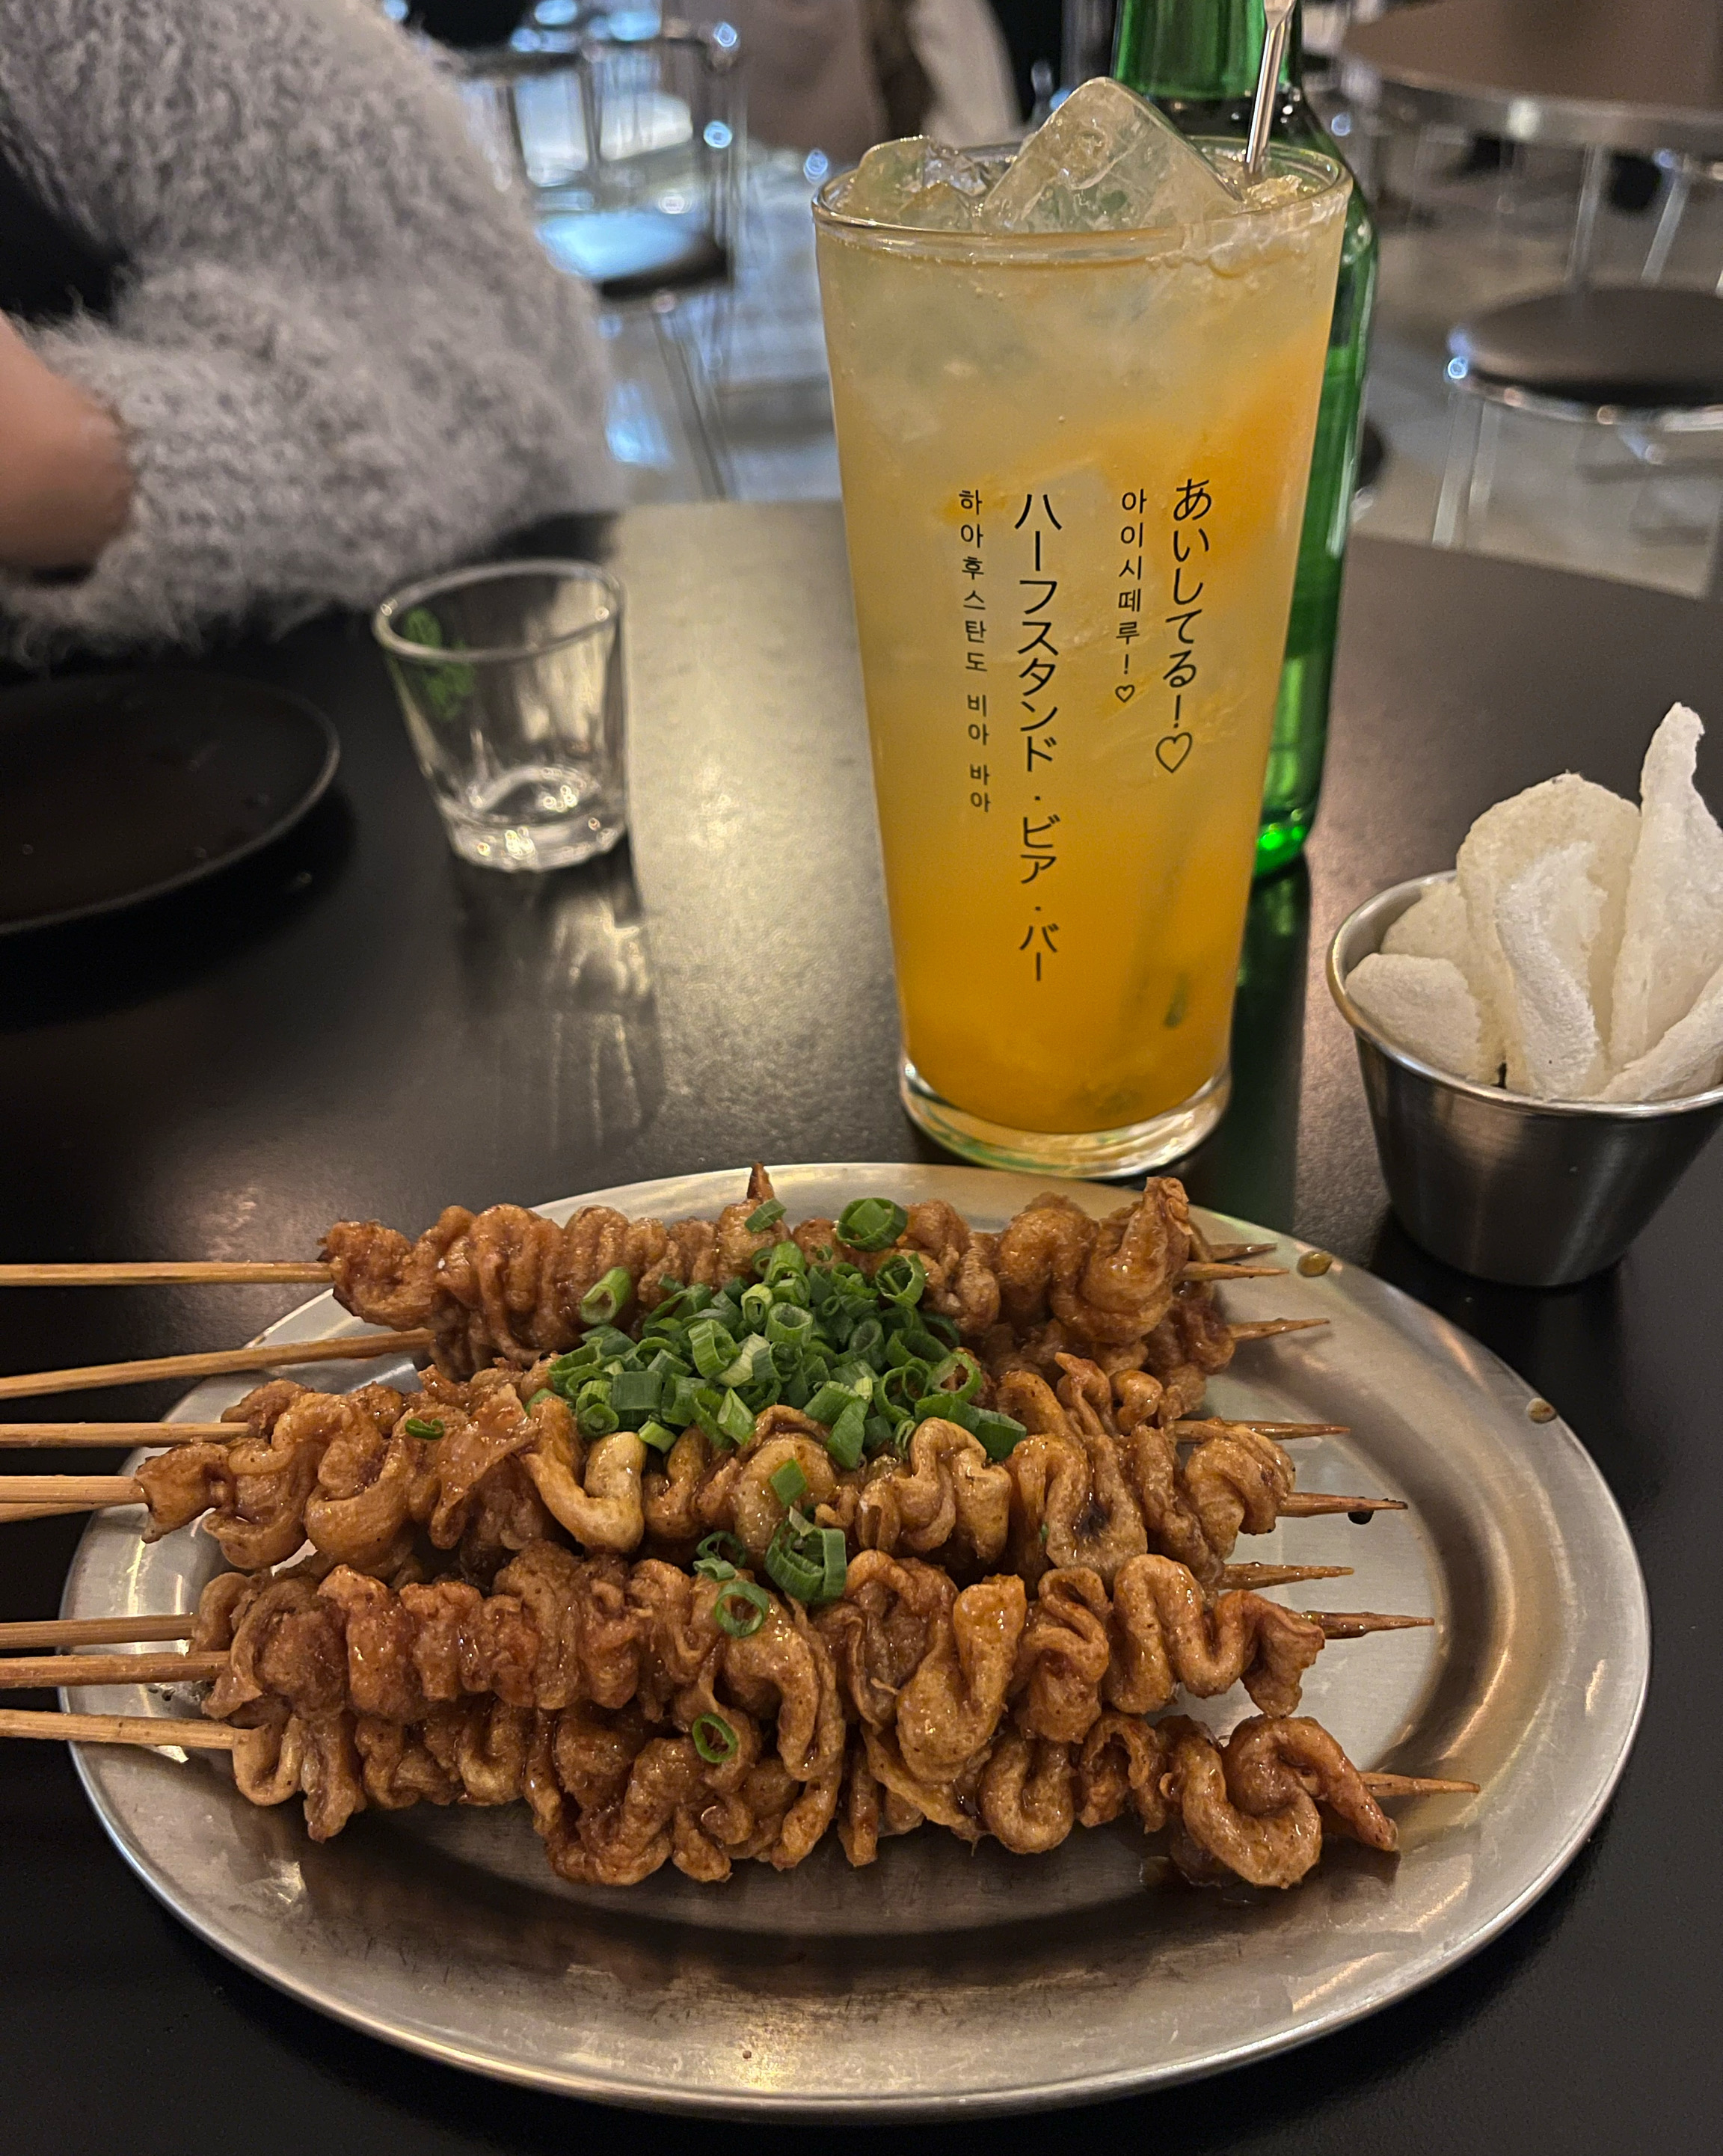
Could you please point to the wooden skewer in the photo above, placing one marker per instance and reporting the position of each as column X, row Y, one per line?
column 172, row 1272
column 1266, row 1328
column 1231, row 1252
column 84, row 1489
column 221, row 1362
column 216, row 1737
column 109, row 1436
column 121, row 1436
column 1202, row 1269
column 12, row 1515
column 33, row 1497
column 32, row 1672
column 1212, row 1426
column 1416, row 1785
column 95, row 1631
column 1313, row 1504
column 1247, row 1575
column 119, row 1729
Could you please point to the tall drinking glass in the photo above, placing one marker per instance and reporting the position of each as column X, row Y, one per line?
column 1074, row 469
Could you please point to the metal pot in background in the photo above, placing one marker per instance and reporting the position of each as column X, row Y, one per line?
column 1535, row 1194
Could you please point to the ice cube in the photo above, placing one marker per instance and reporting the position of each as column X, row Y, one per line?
column 1105, row 162
column 1548, row 918
column 918, row 183
column 1424, row 1006
column 1672, row 939
column 1689, row 1059
column 1506, row 840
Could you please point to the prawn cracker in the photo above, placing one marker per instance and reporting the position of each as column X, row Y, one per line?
column 1671, row 935
column 1501, row 845
column 1424, row 1006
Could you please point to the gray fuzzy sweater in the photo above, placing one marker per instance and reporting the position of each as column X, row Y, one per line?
column 340, row 356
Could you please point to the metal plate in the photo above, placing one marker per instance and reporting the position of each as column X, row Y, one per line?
column 939, row 1981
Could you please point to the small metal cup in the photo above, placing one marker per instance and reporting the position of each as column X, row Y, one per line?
column 1537, row 1193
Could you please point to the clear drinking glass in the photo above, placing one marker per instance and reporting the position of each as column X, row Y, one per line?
column 1074, row 469
column 510, row 677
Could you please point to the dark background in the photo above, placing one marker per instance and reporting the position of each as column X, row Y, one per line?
column 355, row 1023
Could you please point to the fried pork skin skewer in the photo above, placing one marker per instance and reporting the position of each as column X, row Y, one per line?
column 506, row 1284
column 375, row 1696
column 346, row 1471
column 612, row 1807
column 643, row 1723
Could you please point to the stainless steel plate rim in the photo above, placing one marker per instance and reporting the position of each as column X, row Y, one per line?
column 973, row 2061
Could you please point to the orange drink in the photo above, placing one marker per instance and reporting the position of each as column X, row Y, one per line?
column 1074, row 465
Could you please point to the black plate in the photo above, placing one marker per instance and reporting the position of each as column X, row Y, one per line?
column 116, row 788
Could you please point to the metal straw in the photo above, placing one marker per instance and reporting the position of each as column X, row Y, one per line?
column 1278, row 20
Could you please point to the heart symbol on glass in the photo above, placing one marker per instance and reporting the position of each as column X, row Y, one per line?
column 1171, row 750
column 1124, row 691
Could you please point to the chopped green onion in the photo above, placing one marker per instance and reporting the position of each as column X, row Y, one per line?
column 655, row 1434
column 844, row 1443
column 877, row 1434
column 544, row 1393
column 696, row 1298
column 999, row 1434
column 708, row 1406
column 714, row 1739
column 789, row 1484
column 742, row 1608
column 855, row 1377
column 828, row 1403
column 717, row 1547
column 941, row 1327
column 786, row 1325
column 798, row 1575
column 683, row 1406
column 946, row 1406
column 961, row 1366
column 603, row 1300
column 765, row 1216
column 756, row 1302
column 808, row 1562
column 636, row 1392
column 423, row 1426
column 902, row 1279
column 752, row 1363
column 868, row 1339
column 903, row 1386
column 782, row 1262
column 711, row 1346
column 597, row 1419
column 871, row 1224
column 735, row 1420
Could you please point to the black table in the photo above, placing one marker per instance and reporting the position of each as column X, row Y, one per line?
column 356, row 1024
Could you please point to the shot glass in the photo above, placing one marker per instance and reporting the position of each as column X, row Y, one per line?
column 510, row 680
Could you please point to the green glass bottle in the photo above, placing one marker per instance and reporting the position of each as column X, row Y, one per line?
column 1198, row 60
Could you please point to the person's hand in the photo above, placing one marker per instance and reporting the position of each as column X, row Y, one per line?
column 65, row 481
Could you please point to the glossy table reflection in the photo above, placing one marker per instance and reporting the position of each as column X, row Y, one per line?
column 356, row 1024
